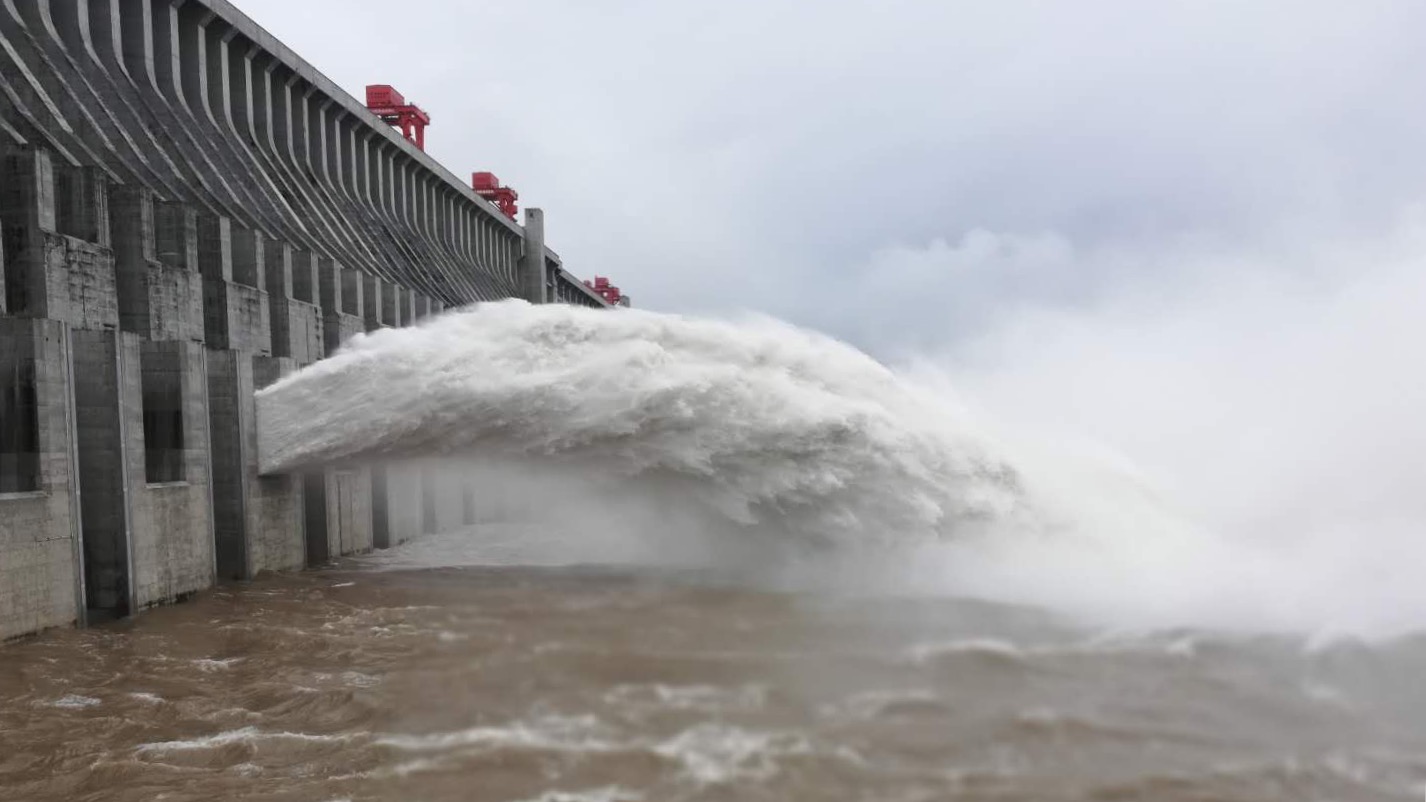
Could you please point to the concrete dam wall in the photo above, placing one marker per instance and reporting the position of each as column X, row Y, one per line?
column 191, row 211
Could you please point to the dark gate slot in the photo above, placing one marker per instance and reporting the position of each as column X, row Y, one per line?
column 314, row 502
column 19, row 427
column 101, row 449
column 380, row 517
column 163, row 419
column 428, row 502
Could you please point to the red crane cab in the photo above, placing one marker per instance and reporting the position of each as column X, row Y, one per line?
column 605, row 290
column 390, row 105
column 487, row 186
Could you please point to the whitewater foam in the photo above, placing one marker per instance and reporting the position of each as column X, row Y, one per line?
column 73, row 702
column 545, row 733
column 718, row 753
column 684, row 441
column 702, row 698
column 707, row 753
column 245, row 735
column 611, row 793
column 758, row 423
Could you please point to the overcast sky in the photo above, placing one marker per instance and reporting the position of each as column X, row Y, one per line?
column 895, row 171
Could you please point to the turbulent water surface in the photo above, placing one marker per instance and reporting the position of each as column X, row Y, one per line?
column 760, row 551
column 383, row 680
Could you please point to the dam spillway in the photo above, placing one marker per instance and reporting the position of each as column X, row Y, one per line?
column 191, row 211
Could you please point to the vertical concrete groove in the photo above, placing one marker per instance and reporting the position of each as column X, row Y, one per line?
column 125, row 482
column 81, row 612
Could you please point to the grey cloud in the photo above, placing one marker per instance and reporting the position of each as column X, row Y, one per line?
column 768, row 154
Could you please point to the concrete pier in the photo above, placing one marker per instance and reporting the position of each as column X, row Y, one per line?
column 190, row 211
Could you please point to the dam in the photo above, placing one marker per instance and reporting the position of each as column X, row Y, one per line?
column 190, row 212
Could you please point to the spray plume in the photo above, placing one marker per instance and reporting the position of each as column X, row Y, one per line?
column 760, row 423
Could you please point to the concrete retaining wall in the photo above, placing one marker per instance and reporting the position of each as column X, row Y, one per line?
column 194, row 100
column 133, row 358
column 188, row 212
column 39, row 528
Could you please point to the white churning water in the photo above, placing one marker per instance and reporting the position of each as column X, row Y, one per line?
column 757, row 422
column 631, row 436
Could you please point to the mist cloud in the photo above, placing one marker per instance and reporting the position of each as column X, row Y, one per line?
column 1187, row 237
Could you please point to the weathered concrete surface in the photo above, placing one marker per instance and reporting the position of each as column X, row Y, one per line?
column 258, row 519
column 99, row 373
column 532, row 263
column 39, row 530
column 172, row 521
column 296, row 326
column 207, row 109
column 230, row 384
column 189, row 211
column 157, row 300
column 349, row 523
column 274, row 509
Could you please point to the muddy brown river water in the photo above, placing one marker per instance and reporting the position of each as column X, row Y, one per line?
column 374, row 681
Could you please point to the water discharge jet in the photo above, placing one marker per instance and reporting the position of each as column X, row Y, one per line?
column 650, row 438
column 763, row 424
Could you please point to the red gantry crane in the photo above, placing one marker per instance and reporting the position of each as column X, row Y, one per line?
column 388, row 104
column 487, row 186
column 605, row 290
